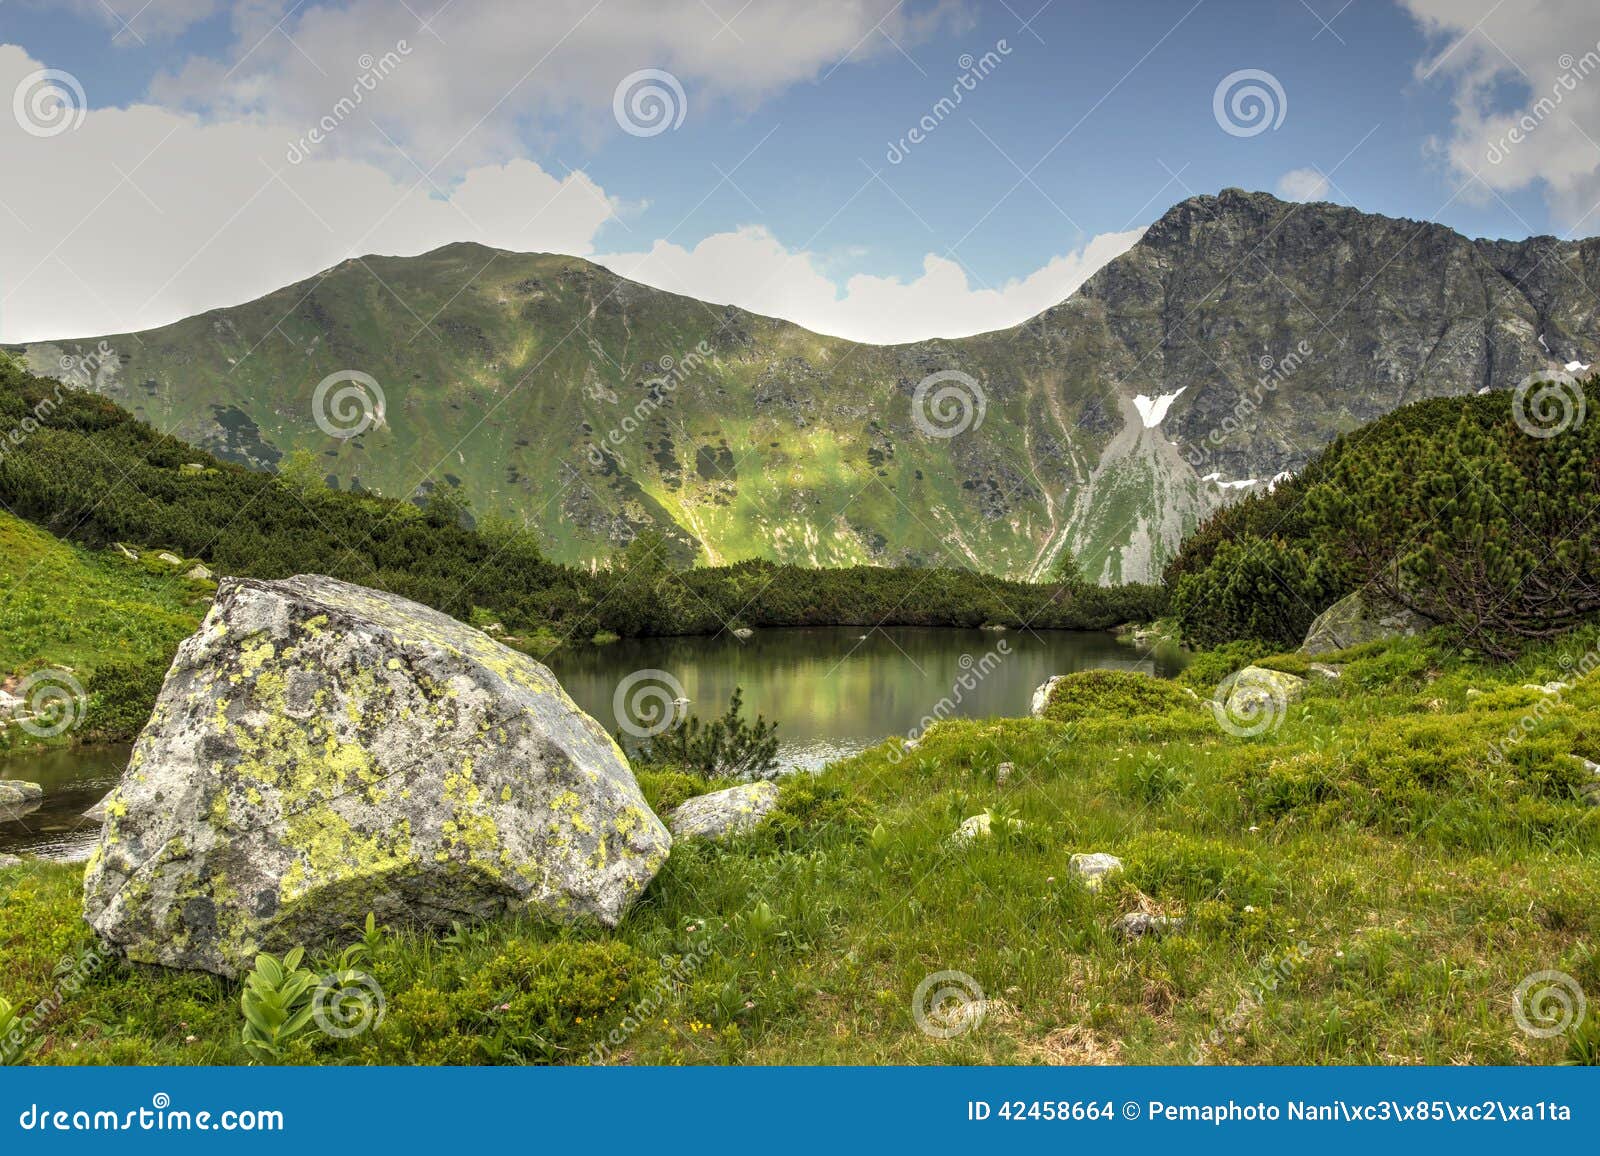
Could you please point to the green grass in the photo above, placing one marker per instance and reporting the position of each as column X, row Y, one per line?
column 78, row 611
column 1369, row 856
column 61, row 605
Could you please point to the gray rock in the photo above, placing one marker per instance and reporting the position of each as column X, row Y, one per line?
column 97, row 813
column 127, row 553
column 1257, row 692
column 1364, row 616
column 723, row 814
column 320, row 751
column 743, row 632
column 1137, row 925
column 1590, row 791
column 199, row 573
column 976, row 827
column 1330, row 671
column 8, row 861
column 1002, row 774
column 1093, row 867
column 20, row 793
column 169, row 558
column 1041, row 695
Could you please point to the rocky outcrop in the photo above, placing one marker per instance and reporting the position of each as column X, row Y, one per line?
column 723, row 814
column 321, row 750
column 1237, row 337
column 1364, row 616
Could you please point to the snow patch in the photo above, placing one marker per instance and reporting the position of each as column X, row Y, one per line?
column 1153, row 409
column 1576, row 366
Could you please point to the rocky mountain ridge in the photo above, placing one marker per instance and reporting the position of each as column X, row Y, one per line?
column 1237, row 337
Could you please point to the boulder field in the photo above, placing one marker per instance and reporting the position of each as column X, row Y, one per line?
column 320, row 750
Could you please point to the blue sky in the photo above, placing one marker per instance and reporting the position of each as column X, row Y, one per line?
column 776, row 189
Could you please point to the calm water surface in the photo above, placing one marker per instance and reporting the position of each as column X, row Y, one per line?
column 833, row 690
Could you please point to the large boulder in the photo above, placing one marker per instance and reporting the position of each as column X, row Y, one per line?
column 320, row 750
column 1365, row 616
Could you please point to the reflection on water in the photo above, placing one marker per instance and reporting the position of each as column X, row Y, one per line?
column 833, row 690
column 836, row 690
column 73, row 781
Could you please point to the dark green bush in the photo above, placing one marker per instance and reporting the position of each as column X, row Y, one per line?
column 1257, row 589
column 122, row 693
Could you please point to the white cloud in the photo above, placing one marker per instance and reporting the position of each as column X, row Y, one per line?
column 1303, row 185
column 752, row 269
column 483, row 75
column 150, row 215
column 157, row 211
column 1547, row 54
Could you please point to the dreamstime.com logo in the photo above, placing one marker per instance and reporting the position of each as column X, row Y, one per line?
column 1246, row 704
column 52, row 703
column 48, row 103
column 373, row 70
column 1545, row 405
column 1249, row 102
column 948, row 1004
column 348, row 1004
column 948, row 403
column 648, row 702
column 1547, row 1004
column 649, row 102
column 347, row 404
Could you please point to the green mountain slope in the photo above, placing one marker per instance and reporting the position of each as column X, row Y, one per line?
column 548, row 388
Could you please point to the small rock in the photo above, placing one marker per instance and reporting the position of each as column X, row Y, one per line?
column 1591, row 790
column 198, row 573
column 1547, row 688
column 1002, row 773
column 1326, row 670
column 723, row 814
column 20, row 792
column 1137, row 925
column 1256, row 689
column 743, row 632
column 1041, row 696
column 979, row 826
column 127, row 553
column 169, row 558
column 1473, row 692
column 994, row 626
column 9, row 861
column 1093, row 867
